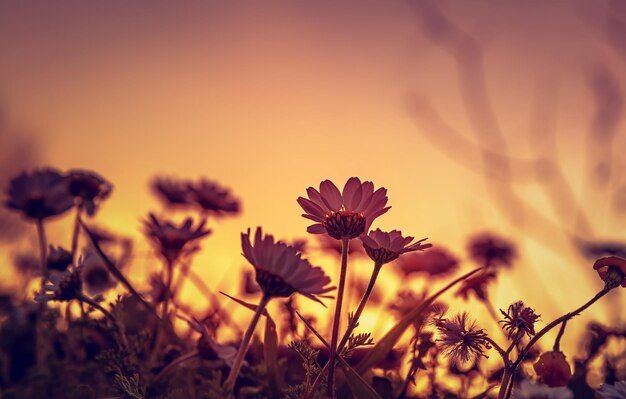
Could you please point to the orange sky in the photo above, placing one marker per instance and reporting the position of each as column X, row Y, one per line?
column 272, row 98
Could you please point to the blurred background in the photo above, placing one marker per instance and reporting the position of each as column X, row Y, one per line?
column 504, row 117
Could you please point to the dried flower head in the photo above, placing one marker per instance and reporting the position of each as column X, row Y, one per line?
column 615, row 391
column 40, row 194
column 477, row 285
column 172, row 192
column 519, row 320
column 552, row 369
column 58, row 258
column 211, row 197
column 88, row 189
column 436, row 262
column 173, row 240
column 491, row 250
column 61, row 286
column 280, row 269
column 95, row 274
column 461, row 339
column 346, row 214
column 612, row 270
column 529, row 390
column 383, row 247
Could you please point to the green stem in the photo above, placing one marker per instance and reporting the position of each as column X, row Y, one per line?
column 504, row 394
column 229, row 384
column 41, row 233
column 351, row 327
column 337, row 318
column 76, row 232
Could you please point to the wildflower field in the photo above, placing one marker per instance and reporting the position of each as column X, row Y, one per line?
column 204, row 201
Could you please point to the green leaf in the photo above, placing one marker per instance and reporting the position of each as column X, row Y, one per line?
column 386, row 343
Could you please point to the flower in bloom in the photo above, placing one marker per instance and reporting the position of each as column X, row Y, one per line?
column 173, row 240
column 615, row 391
column 171, row 191
column 491, row 250
column 435, row 262
column 346, row 214
column 552, row 369
column 58, row 258
column 461, row 339
column 614, row 263
column 88, row 189
column 64, row 286
column 476, row 285
column 519, row 320
column 40, row 194
column 528, row 390
column 280, row 268
column 211, row 197
column 383, row 247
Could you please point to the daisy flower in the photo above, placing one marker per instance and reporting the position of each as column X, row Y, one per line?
column 280, row 268
column 88, row 189
column 436, row 262
column 345, row 214
column 173, row 240
column 211, row 197
column 615, row 264
column 40, row 194
column 383, row 247
column 171, row 191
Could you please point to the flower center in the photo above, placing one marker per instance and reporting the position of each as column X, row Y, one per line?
column 344, row 223
column 273, row 285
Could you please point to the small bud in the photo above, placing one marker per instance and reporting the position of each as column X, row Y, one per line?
column 553, row 369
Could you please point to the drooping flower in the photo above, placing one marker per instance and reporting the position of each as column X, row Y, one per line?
column 383, row 247
column 461, row 339
column 552, row 369
column 476, row 285
column 614, row 264
column 529, row 390
column 280, row 268
column 346, row 214
column 172, row 192
column 61, row 286
column 436, row 262
column 173, row 240
column 88, row 188
column 211, row 197
column 40, row 194
column 95, row 274
column 58, row 258
column 615, row 391
column 491, row 250
column 519, row 320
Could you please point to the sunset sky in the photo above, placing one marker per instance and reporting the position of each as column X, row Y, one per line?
column 270, row 98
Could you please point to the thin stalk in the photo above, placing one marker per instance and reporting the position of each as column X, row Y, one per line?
column 557, row 341
column 41, row 233
column 76, row 232
column 169, row 277
column 229, row 384
column 351, row 327
column 337, row 318
column 511, row 371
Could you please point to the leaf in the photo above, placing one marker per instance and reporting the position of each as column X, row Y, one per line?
column 270, row 353
column 386, row 343
column 270, row 344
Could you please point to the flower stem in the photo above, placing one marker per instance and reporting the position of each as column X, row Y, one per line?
column 76, row 232
column 169, row 277
column 510, row 371
column 337, row 319
column 351, row 327
column 557, row 341
column 229, row 384
column 41, row 233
